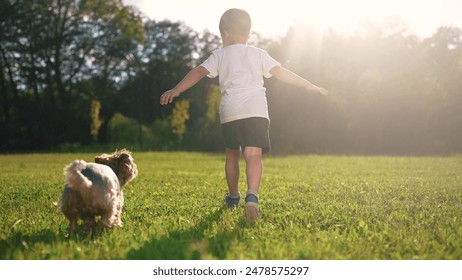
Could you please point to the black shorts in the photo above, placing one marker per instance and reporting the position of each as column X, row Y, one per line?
column 250, row 132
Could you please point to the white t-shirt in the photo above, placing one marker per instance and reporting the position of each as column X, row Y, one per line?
column 240, row 69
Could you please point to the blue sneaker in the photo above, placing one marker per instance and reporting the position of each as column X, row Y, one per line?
column 252, row 211
column 232, row 202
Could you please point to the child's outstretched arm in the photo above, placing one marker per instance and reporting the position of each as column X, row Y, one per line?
column 290, row 77
column 193, row 76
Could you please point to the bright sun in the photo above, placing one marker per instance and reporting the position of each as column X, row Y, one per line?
column 344, row 16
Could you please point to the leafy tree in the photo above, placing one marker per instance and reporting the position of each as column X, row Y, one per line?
column 49, row 49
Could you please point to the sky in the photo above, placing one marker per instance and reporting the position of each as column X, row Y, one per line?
column 273, row 18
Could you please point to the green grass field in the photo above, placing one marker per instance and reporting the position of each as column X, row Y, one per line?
column 313, row 207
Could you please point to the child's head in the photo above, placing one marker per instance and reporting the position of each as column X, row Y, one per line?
column 236, row 22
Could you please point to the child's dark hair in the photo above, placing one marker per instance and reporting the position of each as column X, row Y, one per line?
column 236, row 21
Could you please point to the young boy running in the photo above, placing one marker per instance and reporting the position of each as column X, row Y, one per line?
column 243, row 108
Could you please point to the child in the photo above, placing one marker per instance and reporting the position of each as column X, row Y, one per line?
column 243, row 108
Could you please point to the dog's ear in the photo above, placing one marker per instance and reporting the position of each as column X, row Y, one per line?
column 126, row 167
column 124, row 159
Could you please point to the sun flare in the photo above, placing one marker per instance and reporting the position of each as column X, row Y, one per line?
column 274, row 18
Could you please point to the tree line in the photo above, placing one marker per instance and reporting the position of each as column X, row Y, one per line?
column 87, row 73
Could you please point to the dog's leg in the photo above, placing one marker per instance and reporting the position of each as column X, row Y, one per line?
column 111, row 219
column 108, row 218
column 90, row 224
column 118, row 210
column 118, row 219
column 73, row 225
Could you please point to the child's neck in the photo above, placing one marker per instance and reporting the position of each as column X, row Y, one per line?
column 233, row 39
column 233, row 43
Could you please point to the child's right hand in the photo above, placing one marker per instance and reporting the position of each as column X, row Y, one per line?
column 168, row 96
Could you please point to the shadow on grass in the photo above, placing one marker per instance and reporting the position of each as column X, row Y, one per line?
column 203, row 241
column 19, row 245
column 191, row 244
column 19, row 241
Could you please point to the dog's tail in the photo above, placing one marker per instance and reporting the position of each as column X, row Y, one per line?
column 74, row 177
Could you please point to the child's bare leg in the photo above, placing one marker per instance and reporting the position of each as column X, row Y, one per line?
column 232, row 171
column 254, row 168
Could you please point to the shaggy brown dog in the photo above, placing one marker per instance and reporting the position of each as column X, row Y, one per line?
column 95, row 189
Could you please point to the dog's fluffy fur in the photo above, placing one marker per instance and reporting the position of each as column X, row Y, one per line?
column 95, row 189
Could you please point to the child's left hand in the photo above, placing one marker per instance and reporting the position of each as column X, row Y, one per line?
column 322, row 91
